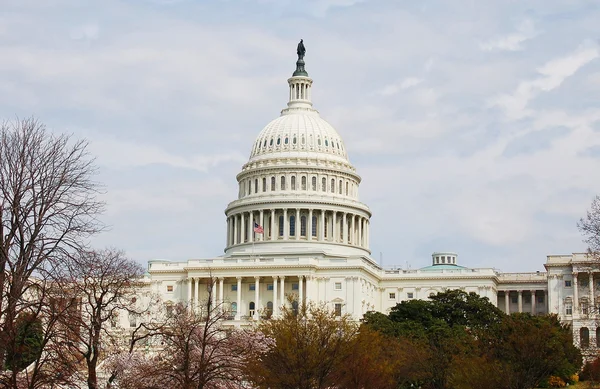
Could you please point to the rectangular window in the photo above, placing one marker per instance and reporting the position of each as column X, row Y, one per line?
column 338, row 286
column 514, row 299
column 567, row 283
column 269, row 286
column 527, row 299
column 568, row 309
column 169, row 288
column 540, row 299
column 409, row 295
column 392, row 296
column 234, row 288
column 252, row 287
column 338, row 309
column 294, row 286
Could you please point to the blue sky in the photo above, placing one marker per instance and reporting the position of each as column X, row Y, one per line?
column 474, row 124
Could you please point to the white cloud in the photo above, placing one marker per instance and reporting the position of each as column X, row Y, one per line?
column 512, row 41
column 392, row 89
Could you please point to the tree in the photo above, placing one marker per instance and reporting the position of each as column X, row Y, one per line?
column 28, row 341
column 48, row 208
column 97, row 286
column 308, row 346
column 197, row 351
column 590, row 228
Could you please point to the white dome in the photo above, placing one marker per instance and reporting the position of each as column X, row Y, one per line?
column 298, row 135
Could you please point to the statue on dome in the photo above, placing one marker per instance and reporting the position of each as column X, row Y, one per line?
column 301, row 50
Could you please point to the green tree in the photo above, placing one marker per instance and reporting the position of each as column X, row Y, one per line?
column 28, row 342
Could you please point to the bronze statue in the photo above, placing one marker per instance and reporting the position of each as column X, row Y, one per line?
column 301, row 50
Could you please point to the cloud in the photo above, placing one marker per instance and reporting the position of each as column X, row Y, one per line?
column 512, row 41
column 392, row 89
column 550, row 76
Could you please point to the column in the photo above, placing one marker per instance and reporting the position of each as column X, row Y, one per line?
column 214, row 293
column 282, row 291
column 591, row 281
column 533, row 302
column 251, row 227
column 195, row 287
column 238, row 312
column 520, row 301
column 297, row 223
column 189, row 292
column 368, row 228
column 353, row 229
column 309, row 225
column 309, row 290
column 575, row 294
column 285, row 224
column 272, row 224
column 356, row 298
column 221, row 281
column 322, row 229
column 275, row 304
column 242, row 228
column 235, row 229
column 261, row 221
column 344, row 228
column 507, row 302
column 300, row 290
column 360, row 236
column 546, row 304
column 256, row 296
column 334, row 233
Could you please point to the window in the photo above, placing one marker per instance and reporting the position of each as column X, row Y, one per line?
column 269, row 286
column 294, row 141
column 293, row 183
column 270, row 306
column 286, row 141
column 303, row 182
column 280, row 225
column 272, row 184
column 340, row 187
column 568, row 308
column 295, row 308
column 392, row 296
column 540, row 299
column 567, row 283
column 323, row 184
column 527, row 299
column 264, row 184
column 256, row 185
column 278, row 141
column 332, row 185
column 338, row 286
column 346, row 188
column 234, row 308
column 326, row 226
column 302, row 225
column 132, row 319
column 265, row 144
column 338, row 309
column 314, row 226
column 251, row 307
column 584, row 337
column 314, row 183
column 294, row 286
column 271, row 142
column 515, row 299
column 584, row 306
column 326, row 143
column 249, row 187
column 169, row 288
column 292, row 225
column 251, row 286
column 282, row 182
column 409, row 295
column 234, row 288
column 319, row 141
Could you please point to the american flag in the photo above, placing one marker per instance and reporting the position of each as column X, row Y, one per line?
column 258, row 228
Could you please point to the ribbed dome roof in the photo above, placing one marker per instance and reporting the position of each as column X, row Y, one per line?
column 296, row 134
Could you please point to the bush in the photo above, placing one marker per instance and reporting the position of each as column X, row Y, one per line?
column 556, row 382
column 591, row 371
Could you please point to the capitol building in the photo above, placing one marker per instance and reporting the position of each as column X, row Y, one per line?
column 297, row 228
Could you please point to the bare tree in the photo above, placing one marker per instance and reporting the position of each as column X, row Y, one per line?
column 48, row 207
column 197, row 351
column 590, row 228
column 104, row 283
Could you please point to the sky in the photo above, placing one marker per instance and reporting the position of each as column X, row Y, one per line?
column 475, row 125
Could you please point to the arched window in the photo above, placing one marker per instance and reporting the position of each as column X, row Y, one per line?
column 584, row 337
column 346, row 188
column 264, row 184
column 314, row 183
column 282, row 182
column 326, row 143
column 278, row 141
column 295, row 307
column 269, row 308
column 323, row 184
column 303, row 182
column 292, row 225
column 251, row 307
column 249, row 187
column 332, row 185
column 314, row 226
column 340, row 187
column 319, row 141
column 273, row 184
column 286, row 140
column 256, row 185
column 303, row 140
column 293, row 182
column 294, row 140
column 326, row 226
column 265, row 144
column 280, row 225
column 271, row 142
column 302, row 225
column 234, row 308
